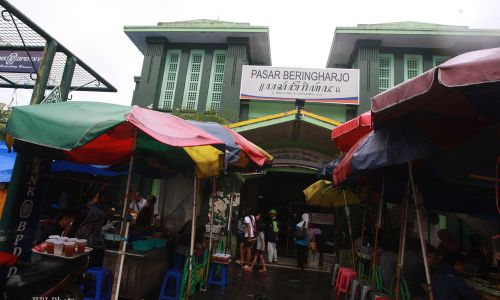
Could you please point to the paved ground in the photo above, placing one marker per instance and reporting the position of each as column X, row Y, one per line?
column 277, row 283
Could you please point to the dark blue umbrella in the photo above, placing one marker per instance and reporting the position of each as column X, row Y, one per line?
column 220, row 132
column 383, row 147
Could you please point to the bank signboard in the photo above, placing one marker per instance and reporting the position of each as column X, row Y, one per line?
column 19, row 61
column 329, row 85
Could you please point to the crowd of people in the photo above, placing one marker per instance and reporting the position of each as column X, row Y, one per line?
column 447, row 264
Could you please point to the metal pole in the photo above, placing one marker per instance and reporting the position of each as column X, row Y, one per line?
column 349, row 225
column 418, row 209
column 214, row 194
column 193, row 234
column 402, row 237
column 377, row 229
column 124, row 232
column 42, row 76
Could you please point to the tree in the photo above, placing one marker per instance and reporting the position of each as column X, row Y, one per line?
column 208, row 116
column 4, row 116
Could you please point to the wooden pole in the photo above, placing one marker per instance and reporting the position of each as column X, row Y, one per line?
column 377, row 230
column 418, row 210
column 402, row 238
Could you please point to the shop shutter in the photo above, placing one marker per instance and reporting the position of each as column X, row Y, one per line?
column 216, row 81
column 169, row 79
column 413, row 66
column 193, row 80
column 386, row 72
column 437, row 60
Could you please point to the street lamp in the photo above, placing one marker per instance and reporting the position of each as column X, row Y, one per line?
column 299, row 105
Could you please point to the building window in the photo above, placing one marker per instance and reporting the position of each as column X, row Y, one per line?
column 193, row 80
column 437, row 60
column 169, row 79
column 413, row 66
column 385, row 72
column 216, row 80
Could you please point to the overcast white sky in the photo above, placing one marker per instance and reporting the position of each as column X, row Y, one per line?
column 301, row 32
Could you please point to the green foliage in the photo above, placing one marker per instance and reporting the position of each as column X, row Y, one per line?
column 4, row 116
column 208, row 116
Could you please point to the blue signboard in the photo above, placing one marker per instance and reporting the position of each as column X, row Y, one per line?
column 19, row 61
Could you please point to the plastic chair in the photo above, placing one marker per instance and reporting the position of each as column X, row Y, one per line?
column 343, row 280
column 355, row 290
column 103, row 285
column 335, row 272
column 166, row 292
column 222, row 280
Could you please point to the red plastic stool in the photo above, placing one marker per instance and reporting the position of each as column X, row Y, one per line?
column 344, row 279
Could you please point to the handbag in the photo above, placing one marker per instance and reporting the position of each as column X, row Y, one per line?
column 300, row 233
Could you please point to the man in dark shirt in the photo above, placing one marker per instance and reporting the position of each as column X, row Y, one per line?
column 447, row 284
column 60, row 226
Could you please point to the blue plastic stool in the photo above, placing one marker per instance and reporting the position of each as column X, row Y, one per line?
column 102, row 278
column 166, row 292
column 222, row 281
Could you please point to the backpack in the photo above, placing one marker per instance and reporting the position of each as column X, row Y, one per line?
column 300, row 232
column 240, row 230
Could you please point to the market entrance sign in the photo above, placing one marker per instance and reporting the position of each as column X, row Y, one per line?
column 297, row 157
column 19, row 61
column 338, row 86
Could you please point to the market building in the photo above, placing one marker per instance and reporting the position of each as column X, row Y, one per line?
column 389, row 53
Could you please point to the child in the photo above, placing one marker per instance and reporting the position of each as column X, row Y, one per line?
column 261, row 248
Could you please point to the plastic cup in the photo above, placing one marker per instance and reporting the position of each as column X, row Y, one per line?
column 80, row 246
column 58, row 247
column 72, row 240
column 64, row 238
column 69, row 249
column 50, row 245
column 54, row 237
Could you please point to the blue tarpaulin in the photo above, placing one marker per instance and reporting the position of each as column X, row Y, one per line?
column 7, row 161
column 96, row 170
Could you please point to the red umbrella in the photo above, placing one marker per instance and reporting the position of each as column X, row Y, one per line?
column 346, row 135
column 450, row 102
column 344, row 167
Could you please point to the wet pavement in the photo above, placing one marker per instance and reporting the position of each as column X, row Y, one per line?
column 277, row 283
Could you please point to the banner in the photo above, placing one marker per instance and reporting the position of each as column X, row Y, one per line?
column 18, row 231
column 19, row 62
column 298, row 157
column 263, row 83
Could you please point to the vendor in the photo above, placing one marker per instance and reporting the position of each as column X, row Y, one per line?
column 138, row 203
column 447, row 282
column 90, row 228
column 60, row 226
column 146, row 215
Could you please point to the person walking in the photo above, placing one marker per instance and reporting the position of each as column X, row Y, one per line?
column 301, row 240
column 272, row 237
column 260, row 249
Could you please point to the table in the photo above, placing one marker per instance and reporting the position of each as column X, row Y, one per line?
column 143, row 272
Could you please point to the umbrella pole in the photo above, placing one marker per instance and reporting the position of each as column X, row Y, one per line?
column 418, row 209
column 362, row 235
column 124, row 231
column 230, row 219
column 193, row 234
column 402, row 238
column 349, row 225
column 377, row 230
column 212, row 197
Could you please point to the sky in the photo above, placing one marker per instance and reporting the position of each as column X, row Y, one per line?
column 301, row 32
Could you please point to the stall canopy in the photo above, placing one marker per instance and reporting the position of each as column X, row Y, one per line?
column 451, row 102
column 383, row 147
column 240, row 153
column 103, row 134
column 323, row 193
column 347, row 134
